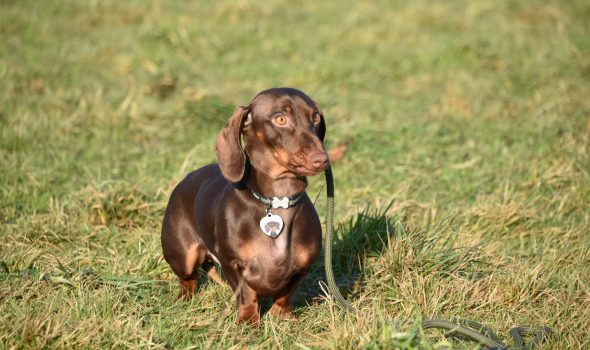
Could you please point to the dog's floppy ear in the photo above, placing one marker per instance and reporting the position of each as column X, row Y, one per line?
column 322, row 127
column 231, row 157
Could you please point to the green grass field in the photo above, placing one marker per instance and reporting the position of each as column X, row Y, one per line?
column 464, row 190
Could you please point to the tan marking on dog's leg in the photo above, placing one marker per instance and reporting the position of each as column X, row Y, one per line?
column 282, row 309
column 187, row 289
column 192, row 253
column 303, row 257
column 248, row 311
column 214, row 276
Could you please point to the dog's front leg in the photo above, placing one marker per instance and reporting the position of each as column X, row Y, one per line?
column 248, row 310
column 247, row 298
column 281, row 307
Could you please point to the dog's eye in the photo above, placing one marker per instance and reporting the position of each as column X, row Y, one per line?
column 281, row 120
column 316, row 118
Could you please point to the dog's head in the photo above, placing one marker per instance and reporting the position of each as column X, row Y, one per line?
column 283, row 131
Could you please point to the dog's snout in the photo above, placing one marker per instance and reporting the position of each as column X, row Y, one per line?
column 319, row 160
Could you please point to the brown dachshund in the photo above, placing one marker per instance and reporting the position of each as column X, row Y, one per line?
column 250, row 213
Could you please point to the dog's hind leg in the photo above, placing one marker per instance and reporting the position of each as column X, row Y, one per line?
column 183, row 249
column 187, row 270
column 187, row 289
column 184, row 258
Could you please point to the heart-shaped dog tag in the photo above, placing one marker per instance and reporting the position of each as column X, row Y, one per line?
column 271, row 225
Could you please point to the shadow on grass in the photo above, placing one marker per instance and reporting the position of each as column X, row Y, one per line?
column 362, row 236
column 372, row 235
column 354, row 241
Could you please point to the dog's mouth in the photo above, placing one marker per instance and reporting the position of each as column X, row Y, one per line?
column 300, row 170
column 307, row 169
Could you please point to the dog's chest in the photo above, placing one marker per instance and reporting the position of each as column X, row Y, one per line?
column 268, row 255
column 268, row 273
column 268, row 264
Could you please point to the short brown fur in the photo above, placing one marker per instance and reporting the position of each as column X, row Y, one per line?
column 212, row 214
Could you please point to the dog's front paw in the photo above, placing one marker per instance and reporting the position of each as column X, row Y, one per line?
column 248, row 315
column 283, row 313
column 187, row 289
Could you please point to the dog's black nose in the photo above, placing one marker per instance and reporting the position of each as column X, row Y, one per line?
column 319, row 160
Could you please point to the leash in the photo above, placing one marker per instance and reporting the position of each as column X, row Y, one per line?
column 464, row 329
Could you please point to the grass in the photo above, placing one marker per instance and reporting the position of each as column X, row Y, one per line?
column 464, row 190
